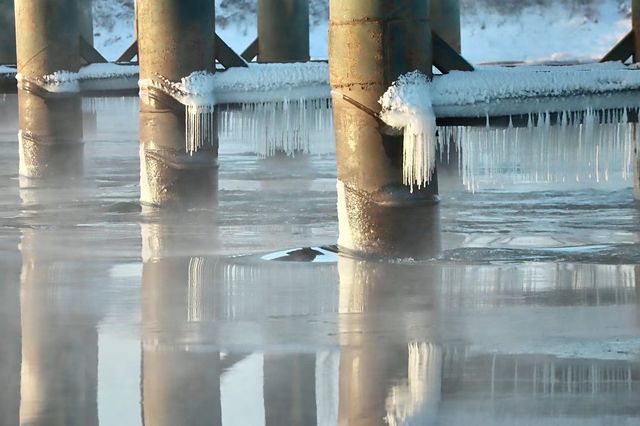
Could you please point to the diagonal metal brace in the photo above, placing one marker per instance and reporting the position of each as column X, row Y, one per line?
column 226, row 56
column 130, row 53
column 251, row 52
column 445, row 58
column 89, row 53
column 621, row 51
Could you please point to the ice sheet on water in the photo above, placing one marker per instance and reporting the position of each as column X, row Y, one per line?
column 93, row 77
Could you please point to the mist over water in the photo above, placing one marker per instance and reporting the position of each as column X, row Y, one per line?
column 116, row 313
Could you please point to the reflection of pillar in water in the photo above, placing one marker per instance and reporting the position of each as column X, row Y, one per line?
column 175, row 38
column 50, row 138
column 10, row 345
column 59, row 373
column 385, row 375
column 50, row 123
column 180, row 379
column 290, row 389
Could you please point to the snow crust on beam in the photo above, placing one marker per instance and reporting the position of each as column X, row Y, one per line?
column 90, row 77
column 279, row 108
column 493, row 90
column 273, row 82
column 4, row 70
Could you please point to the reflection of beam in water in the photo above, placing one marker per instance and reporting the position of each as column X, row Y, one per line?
column 561, row 284
column 492, row 375
column 277, row 289
column 419, row 394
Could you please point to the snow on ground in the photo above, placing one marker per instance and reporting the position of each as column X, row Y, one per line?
column 553, row 32
column 559, row 30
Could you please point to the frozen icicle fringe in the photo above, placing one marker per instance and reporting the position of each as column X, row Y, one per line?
column 406, row 106
column 200, row 127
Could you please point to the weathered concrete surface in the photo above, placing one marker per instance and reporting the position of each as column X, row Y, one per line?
column 283, row 30
column 175, row 38
column 47, row 36
column 445, row 20
column 372, row 43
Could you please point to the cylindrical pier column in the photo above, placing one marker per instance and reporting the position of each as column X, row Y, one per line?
column 47, row 33
column 85, row 9
column 635, row 25
column 371, row 44
column 175, row 38
column 445, row 21
column 8, row 33
column 283, row 30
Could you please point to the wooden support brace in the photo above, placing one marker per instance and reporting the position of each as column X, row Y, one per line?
column 445, row 58
column 89, row 53
column 251, row 52
column 130, row 53
column 226, row 56
column 621, row 51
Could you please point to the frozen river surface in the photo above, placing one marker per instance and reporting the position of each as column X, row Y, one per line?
column 112, row 314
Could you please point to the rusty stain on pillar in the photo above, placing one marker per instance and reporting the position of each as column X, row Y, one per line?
column 8, row 33
column 445, row 21
column 175, row 38
column 47, row 40
column 283, row 30
column 372, row 43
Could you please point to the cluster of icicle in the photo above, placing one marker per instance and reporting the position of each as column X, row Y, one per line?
column 287, row 127
column 587, row 146
column 406, row 106
column 280, row 108
column 196, row 93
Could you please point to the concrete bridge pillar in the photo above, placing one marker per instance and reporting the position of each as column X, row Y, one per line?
column 445, row 21
column 85, row 9
column 371, row 44
column 635, row 25
column 8, row 33
column 283, row 30
column 47, row 33
column 175, row 38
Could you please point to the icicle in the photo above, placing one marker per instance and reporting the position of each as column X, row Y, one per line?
column 580, row 147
